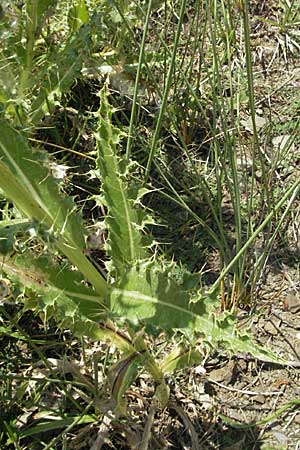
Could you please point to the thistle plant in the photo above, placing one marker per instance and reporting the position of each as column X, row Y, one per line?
column 139, row 294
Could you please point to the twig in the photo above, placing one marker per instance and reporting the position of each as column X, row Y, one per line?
column 247, row 357
column 188, row 424
column 244, row 392
column 147, row 431
column 102, row 433
column 267, row 420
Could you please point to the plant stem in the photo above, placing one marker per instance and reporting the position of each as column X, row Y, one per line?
column 165, row 94
column 249, row 69
column 31, row 25
column 87, row 269
column 149, row 362
column 147, row 430
column 137, row 79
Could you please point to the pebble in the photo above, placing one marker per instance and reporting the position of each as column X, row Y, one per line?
column 224, row 374
column 259, row 399
column 280, row 437
column 272, row 327
column 292, row 303
column 297, row 419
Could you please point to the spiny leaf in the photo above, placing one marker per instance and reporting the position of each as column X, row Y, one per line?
column 123, row 221
column 59, row 292
column 9, row 229
column 149, row 295
column 55, row 284
column 26, row 181
column 62, row 70
column 146, row 292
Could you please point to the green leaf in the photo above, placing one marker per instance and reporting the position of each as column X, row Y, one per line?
column 150, row 295
column 26, row 181
column 180, row 358
column 8, row 331
column 61, row 72
column 123, row 220
column 123, row 373
column 162, row 394
column 54, row 423
column 145, row 292
column 56, row 291
column 10, row 230
column 78, row 15
column 37, row 11
column 55, row 285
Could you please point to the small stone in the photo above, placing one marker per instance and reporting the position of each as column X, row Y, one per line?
column 297, row 419
column 260, row 122
column 259, row 399
column 258, row 174
column 292, row 303
column 235, row 415
column 200, row 370
column 224, row 374
column 241, row 385
column 206, row 401
column 271, row 327
column 280, row 437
